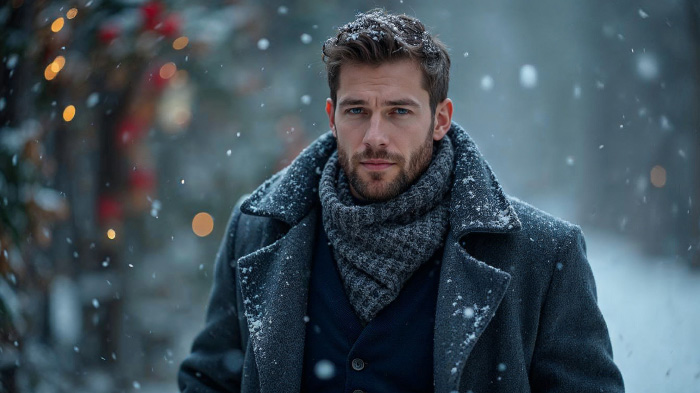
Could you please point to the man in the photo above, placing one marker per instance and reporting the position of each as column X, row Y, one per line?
column 386, row 257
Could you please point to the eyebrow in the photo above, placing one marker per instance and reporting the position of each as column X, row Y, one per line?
column 399, row 102
column 352, row 101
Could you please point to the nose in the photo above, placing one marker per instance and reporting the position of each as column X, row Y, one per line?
column 375, row 135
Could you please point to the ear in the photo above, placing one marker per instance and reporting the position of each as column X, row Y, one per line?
column 330, row 110
column 443, row 119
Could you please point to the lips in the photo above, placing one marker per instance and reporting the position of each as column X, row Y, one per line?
column 376, row 165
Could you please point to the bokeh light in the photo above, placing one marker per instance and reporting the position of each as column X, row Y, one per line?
column 180, row 43
column 57, row 64
column 57, row 25
column 658, row 176
column 69, row 113
column 168, row 70
column 49, row 73
column 202, row 224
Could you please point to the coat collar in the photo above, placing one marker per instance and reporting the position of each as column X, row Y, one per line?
column 478, row 202
column 469, row 293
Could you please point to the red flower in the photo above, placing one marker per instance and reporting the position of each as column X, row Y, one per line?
column 108, row 33
column 170, row 26
column 109, row 209
column 151, row 12
column 142, row 179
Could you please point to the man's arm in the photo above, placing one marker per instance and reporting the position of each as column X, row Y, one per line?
column 573, row 351
column 215, row 364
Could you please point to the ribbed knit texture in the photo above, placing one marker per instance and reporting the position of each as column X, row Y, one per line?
column 378, row 246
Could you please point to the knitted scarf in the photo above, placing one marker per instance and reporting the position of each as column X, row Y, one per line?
column 378, row 246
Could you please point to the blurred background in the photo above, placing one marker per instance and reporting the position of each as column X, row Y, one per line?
column 129, row 129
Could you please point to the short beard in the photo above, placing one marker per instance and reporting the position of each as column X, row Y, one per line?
column 418, row 163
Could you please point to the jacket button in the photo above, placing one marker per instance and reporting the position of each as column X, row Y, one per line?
column 358, row 364
column 358, row 391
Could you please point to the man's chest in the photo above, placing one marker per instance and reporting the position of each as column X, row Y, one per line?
column 393, row 352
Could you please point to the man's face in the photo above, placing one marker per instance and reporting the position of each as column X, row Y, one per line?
column 384, row 127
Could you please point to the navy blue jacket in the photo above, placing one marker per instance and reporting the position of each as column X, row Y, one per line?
column 516, row 303
column 392, row 353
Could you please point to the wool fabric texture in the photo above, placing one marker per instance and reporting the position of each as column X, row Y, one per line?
column 378, row 246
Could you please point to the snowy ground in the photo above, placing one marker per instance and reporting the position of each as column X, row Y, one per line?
column 652, row 307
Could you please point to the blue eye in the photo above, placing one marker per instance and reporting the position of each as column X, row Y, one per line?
column 401, row 111
column 355, row 111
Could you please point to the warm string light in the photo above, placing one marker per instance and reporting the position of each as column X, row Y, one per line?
column 111, row 234
column 57, row 25
column 180, row 43
column 69, row 113
column 54, row 68
column 58, row 63
column 202, row 224
column 168, row 70
column 49, row 74
column 72, row 13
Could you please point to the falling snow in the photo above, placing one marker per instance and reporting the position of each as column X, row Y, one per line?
column 324, row 369
column 263, row 44
column 528, row 76
column 486, row 83
column 92, row 100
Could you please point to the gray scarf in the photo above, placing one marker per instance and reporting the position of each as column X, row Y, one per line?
column 379, row 246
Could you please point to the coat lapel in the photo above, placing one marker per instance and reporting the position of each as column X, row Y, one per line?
column 275, row 278
column 469, row 294
column 470, row 290
column 274, row 285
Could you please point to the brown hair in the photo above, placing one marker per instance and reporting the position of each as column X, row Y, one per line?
column 377, row 37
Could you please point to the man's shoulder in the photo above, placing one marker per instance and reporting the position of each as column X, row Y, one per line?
column 252, row 228
column 542, row 235
column 531, row 254
column 544, row 238
column 538, row 221
column 246, row 214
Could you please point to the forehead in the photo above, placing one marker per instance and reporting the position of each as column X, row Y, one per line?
column 397, row 77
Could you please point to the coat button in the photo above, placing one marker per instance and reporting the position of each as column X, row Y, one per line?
column 358, row 364
column 358, row 391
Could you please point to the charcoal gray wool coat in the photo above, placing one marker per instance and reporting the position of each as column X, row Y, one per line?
column 516, row 312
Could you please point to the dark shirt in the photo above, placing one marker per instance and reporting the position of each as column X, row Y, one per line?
column 392, row 353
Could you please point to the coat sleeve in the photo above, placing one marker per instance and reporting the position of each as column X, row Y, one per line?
column 573, row 351
column 215, row 363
